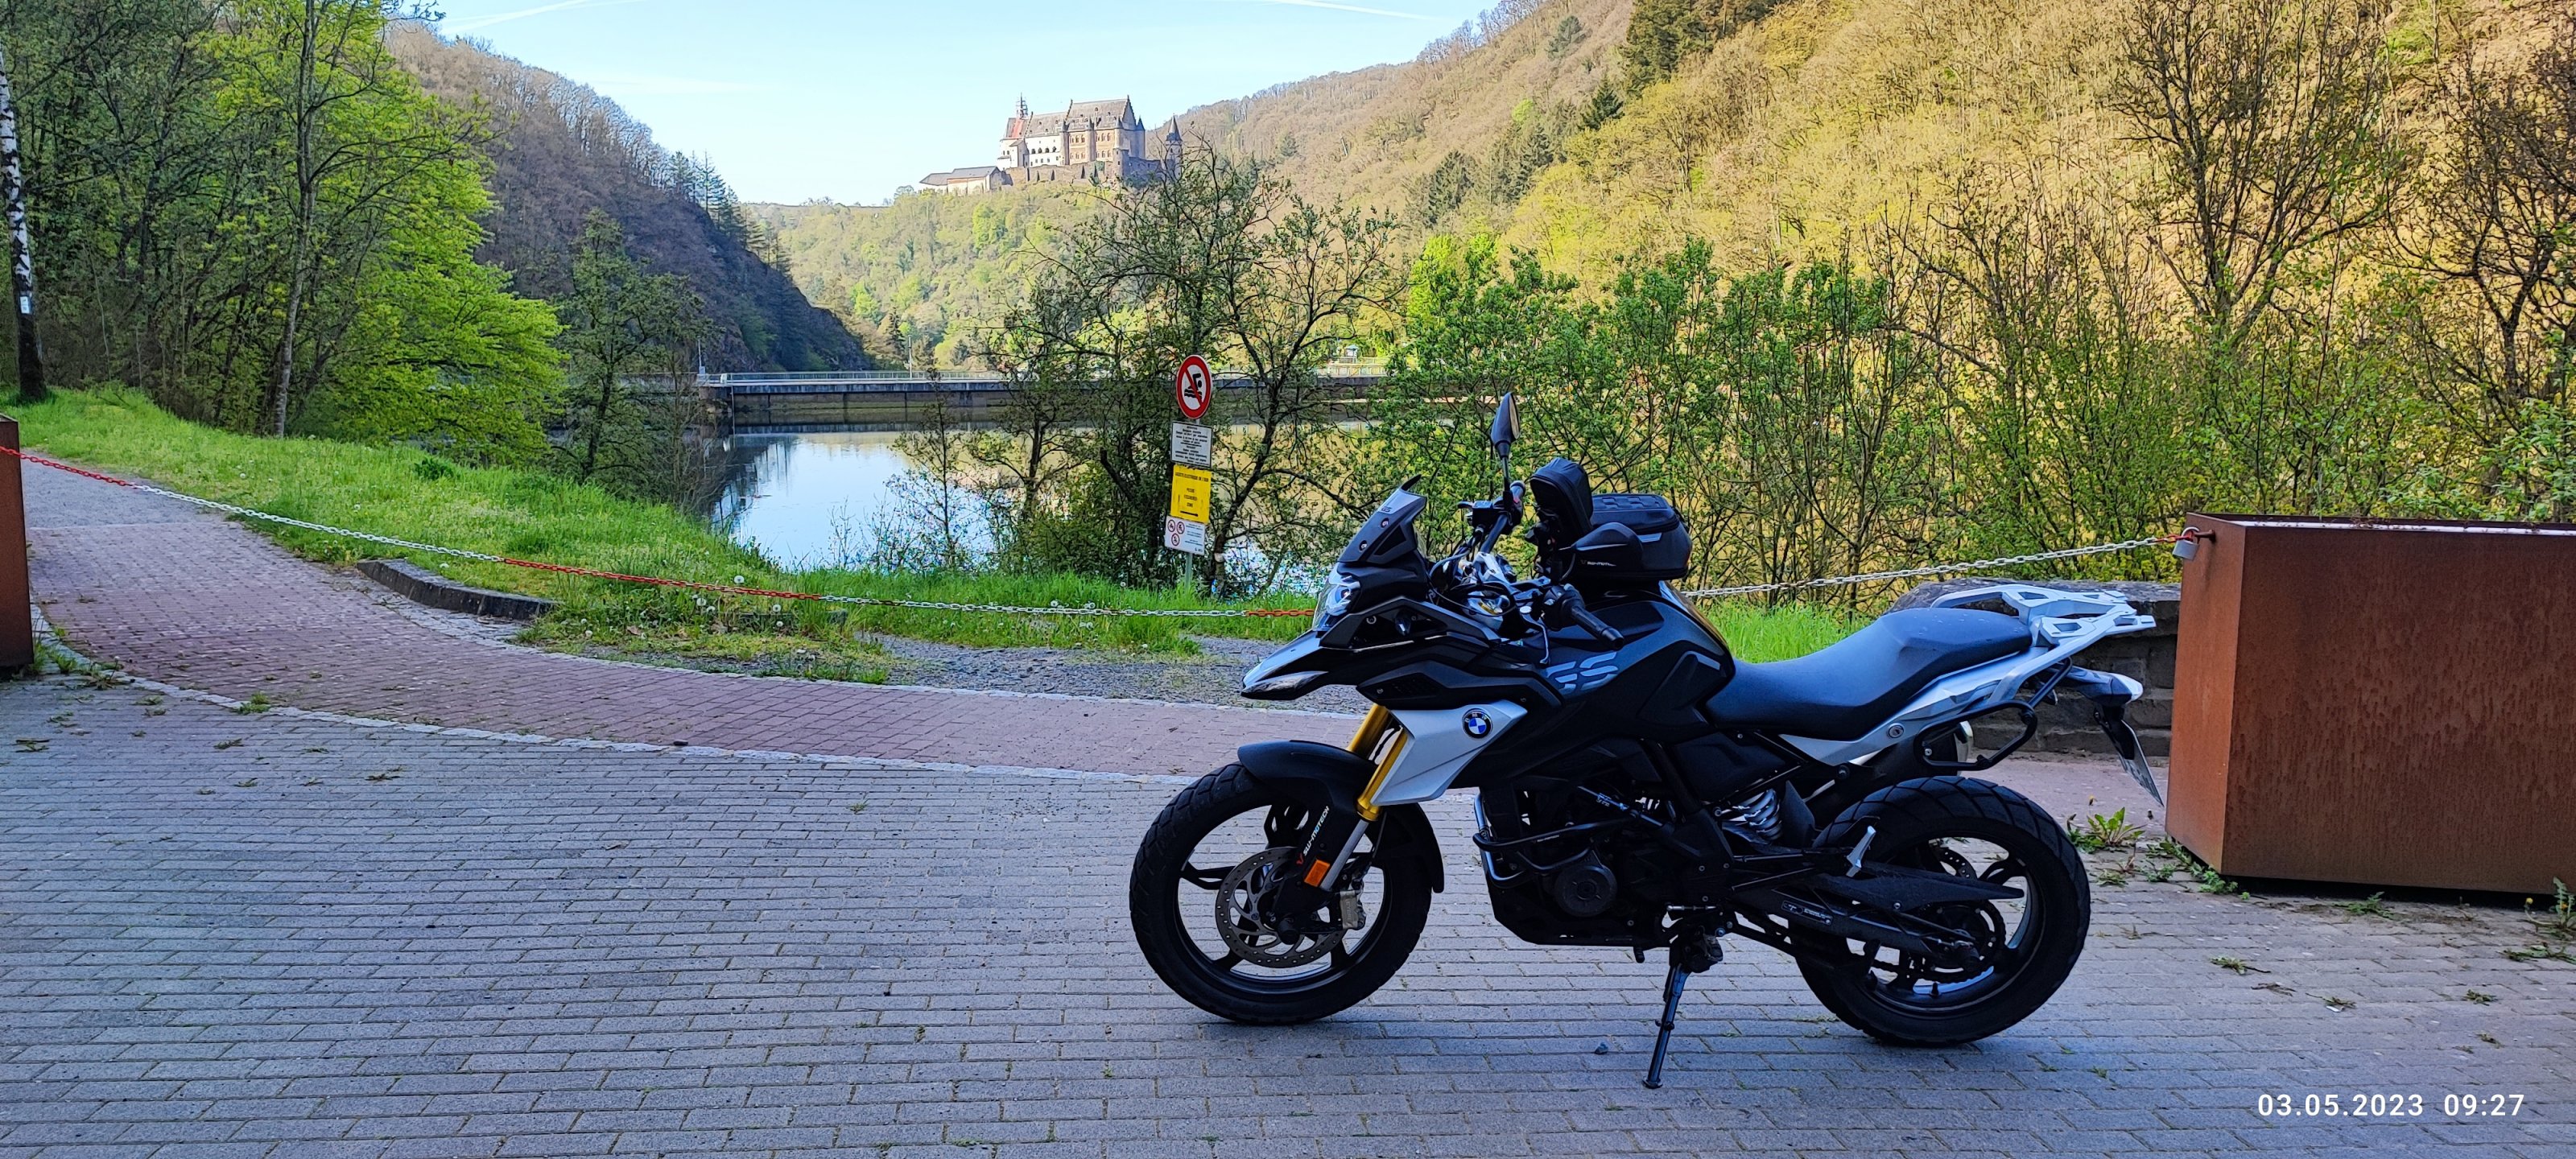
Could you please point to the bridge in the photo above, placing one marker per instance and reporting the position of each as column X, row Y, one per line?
column 859, row 398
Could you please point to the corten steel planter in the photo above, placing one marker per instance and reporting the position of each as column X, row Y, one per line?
column 2388, row 703
column 17, row 622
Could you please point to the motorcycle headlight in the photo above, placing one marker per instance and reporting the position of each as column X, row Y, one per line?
column 1286, row 687
column 1336, row 599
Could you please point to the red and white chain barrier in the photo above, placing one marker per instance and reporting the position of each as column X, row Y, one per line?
column 1008, row 609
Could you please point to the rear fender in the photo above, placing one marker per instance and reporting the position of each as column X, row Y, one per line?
column 2111, row 695
column 1320, row 776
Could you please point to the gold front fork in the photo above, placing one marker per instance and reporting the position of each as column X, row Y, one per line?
column 1372, row 740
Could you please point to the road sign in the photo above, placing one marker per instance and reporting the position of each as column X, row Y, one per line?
column 1195, row 386
column 1185, row 535
column 1193, row 444
column 1191, row 489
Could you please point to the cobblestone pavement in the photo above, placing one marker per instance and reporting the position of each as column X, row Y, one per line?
column 284, row 935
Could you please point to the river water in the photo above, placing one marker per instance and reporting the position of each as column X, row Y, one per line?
column 811, row 499
column 816, row 499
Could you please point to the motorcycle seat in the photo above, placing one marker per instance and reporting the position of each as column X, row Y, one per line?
column 1855, row 685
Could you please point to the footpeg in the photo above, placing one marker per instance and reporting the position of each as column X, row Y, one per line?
column 1859, row 850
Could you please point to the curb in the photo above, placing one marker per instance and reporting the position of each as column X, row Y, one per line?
column 430, row 589
column 45, row 633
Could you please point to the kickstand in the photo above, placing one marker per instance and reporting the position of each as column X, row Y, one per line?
column 1674, row 979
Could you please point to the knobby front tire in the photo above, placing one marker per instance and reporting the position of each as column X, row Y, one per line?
column 1175, row 918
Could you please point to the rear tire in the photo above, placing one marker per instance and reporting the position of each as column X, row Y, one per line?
column 1164, row 876
column 1936, row 823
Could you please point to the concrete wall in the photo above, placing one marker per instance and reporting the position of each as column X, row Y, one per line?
column 2147, row 657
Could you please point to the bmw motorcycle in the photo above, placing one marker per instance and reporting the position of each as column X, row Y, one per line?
column 1636, row 786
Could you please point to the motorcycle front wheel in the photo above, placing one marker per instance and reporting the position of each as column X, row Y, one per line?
column 2029, row 944
column 1206, row 900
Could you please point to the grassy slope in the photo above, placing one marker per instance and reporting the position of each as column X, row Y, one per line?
column 541, row 517
column 385, row 490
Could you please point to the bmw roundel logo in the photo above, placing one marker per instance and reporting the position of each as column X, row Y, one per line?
column 1477, row 723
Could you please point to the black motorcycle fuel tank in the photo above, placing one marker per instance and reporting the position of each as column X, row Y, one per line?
column 1651, row 686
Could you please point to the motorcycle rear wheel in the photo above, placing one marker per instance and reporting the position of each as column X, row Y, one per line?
column 1171, row 899
column 1950, row 824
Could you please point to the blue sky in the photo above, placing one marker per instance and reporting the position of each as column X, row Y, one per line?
column 799, row 99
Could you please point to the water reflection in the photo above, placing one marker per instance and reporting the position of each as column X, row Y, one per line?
column 834, row 498
column 812, row 499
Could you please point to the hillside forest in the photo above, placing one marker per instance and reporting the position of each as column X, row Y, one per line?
column 315, row 217
column 1860, row 283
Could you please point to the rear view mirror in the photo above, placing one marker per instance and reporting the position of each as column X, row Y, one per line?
column 1507, row 425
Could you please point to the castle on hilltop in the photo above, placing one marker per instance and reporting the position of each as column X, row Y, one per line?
column 1099, row 142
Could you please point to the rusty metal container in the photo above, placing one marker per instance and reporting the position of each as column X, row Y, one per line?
column 17, row 622
column 2385, row 703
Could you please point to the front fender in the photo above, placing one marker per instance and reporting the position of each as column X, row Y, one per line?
column 1320, row 776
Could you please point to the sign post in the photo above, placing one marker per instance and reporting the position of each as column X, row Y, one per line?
column 1193, row 456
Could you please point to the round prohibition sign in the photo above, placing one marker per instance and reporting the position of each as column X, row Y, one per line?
column 1194, row 386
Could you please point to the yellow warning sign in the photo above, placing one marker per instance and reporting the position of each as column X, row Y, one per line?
column 1191, row 488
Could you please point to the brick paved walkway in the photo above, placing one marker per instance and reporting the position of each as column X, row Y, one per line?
column 178, row 596
column 277, row 935
column 189, row 599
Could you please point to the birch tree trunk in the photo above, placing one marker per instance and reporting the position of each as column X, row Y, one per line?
column 22, row 251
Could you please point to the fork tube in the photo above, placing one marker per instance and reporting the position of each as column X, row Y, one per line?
column 1371, row 742
column 1372, row 730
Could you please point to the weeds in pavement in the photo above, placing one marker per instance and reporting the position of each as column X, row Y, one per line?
column 2542, row 952
column 2099, row 833
column 2240, row 965
column 2559, row 924
column 257, row 703
column 2478, row 997
column 2170, row 857
column 2369, row 907
column 2339, row 1004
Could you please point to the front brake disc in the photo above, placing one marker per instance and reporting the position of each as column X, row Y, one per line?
column 1240, row 922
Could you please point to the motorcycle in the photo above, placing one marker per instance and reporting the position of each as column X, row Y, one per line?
column 1636, row 786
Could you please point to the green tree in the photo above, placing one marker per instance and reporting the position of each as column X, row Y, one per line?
column 1664, row 36
column 248, row 210
column 621, row 321
column 1223, row 261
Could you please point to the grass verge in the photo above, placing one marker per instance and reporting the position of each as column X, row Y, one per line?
column 407, row 494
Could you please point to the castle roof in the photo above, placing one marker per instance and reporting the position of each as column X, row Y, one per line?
column 970, row 173
column 1119, row 112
